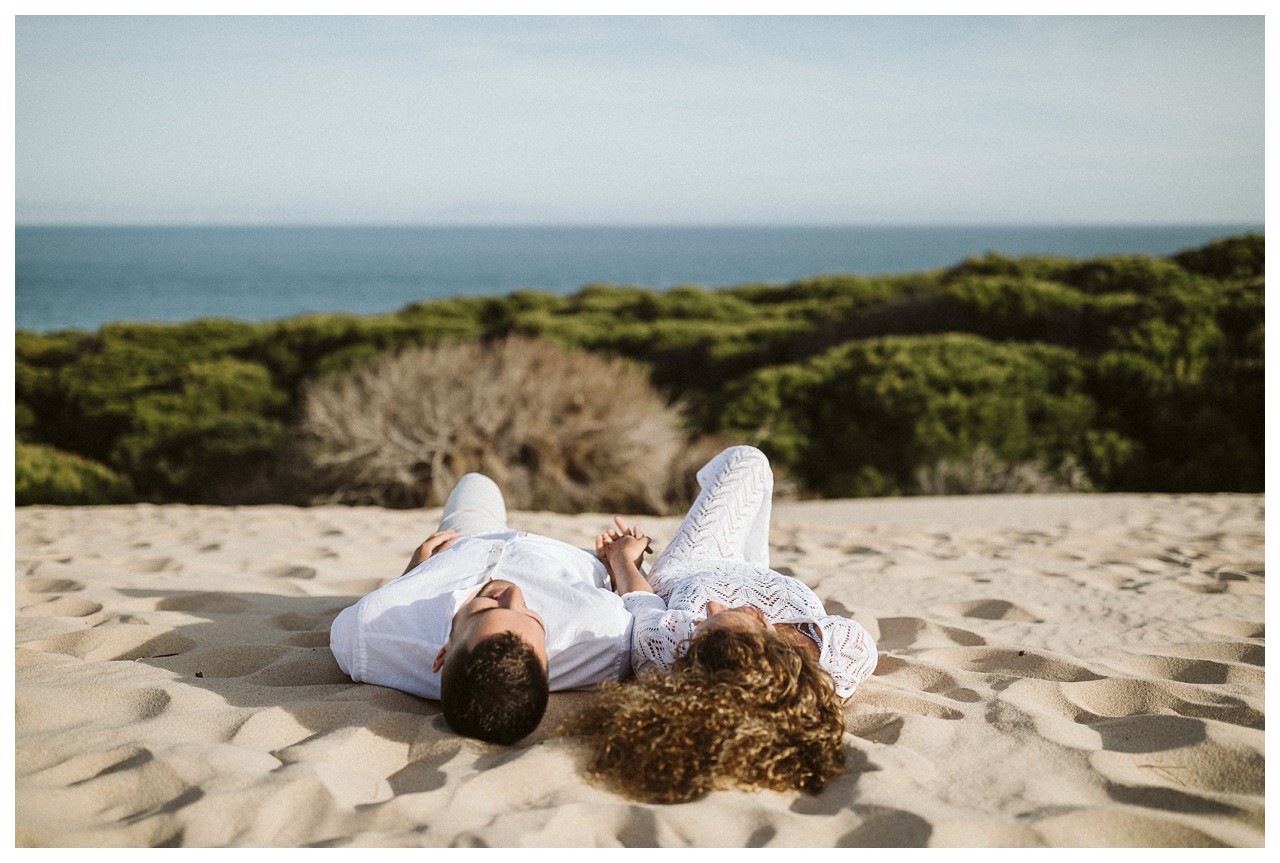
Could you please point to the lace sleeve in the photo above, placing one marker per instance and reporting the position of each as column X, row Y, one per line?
column 730, row 518
column 656, row 632
column 848, row 652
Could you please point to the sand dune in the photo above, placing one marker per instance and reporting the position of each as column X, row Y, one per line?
column 1054, row 670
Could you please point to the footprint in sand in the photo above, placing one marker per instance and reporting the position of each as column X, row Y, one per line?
column 876, row 726
column 1148, row 732
column 207, row 603
column 295, row 622
column 898, row 633
column 151, row 564
column 1174, row 763
column 885, row 827
column 922, row 677
column 242, row 661
column 990, row 609
column 890, row 700
column 291, row 571
column 304, row 667
column 308, row 639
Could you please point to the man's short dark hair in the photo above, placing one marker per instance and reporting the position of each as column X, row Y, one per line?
column 495, row 692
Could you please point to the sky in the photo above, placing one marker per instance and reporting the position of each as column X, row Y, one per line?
column 639, row 120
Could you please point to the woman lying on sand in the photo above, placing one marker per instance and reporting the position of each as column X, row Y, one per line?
column 741, row 673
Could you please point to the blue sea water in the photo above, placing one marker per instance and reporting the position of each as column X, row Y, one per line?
column 83, row 277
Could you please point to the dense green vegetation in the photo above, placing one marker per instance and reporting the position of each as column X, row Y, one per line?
column 1145, row 373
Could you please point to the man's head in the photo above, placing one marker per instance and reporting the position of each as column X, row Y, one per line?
column 493, row 681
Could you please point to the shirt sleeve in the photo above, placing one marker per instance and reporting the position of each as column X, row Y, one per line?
column 656, row 632
column 848, row 652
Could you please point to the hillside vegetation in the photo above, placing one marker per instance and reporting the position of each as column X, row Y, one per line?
column 1112, row 374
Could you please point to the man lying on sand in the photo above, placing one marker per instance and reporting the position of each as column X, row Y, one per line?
column 488, row 620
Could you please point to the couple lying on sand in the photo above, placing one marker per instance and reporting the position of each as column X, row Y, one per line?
column 740, row 674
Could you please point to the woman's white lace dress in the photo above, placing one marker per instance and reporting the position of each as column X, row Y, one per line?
column 721, row 553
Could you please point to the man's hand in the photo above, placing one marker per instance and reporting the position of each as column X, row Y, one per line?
column 432, row 545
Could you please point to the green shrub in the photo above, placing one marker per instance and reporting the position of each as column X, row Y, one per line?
column 863, row 418
column 1136, row 274
column 1230, row 258
column 214, row 427
column 44, row 475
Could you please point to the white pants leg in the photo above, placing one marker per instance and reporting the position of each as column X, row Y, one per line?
column 474, row 506
column 730, row 518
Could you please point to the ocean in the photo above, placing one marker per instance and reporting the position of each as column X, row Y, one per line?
column 83, row 277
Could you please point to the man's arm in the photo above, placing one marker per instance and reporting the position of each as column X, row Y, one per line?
column 433, row 544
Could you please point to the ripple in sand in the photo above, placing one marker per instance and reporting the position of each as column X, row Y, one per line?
column 49, row 707
column 1187, row 670
column 1219, row 651
column 116, row 642
column 223, row 662
column 62, row 606
column 1016, row 663
column 50, row 585
column 1232, row 627
column 1120, row 828
column 1130, row 696
column 920, row 676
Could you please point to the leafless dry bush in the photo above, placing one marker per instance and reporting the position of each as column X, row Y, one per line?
column 984, row 472
column 557, row 430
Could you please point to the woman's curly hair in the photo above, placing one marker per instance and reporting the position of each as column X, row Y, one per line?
column 739, row 708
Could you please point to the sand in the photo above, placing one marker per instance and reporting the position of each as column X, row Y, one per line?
column 1054, row 670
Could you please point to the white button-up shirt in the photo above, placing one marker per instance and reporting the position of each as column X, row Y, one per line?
column 392, row 635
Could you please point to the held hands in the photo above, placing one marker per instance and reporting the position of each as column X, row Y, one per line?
column 625, row 543
column 622, row 550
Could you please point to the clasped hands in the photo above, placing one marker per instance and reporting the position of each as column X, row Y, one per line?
column 622, row 551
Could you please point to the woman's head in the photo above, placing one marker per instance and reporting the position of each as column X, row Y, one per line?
column 741, row 707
